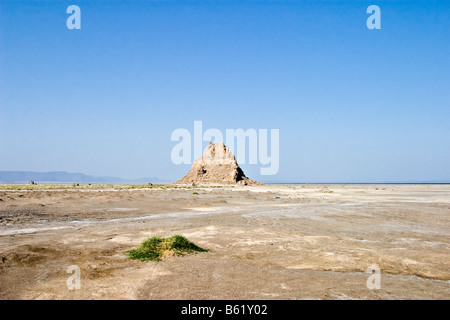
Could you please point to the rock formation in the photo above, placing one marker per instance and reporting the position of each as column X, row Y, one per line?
column 216, row 165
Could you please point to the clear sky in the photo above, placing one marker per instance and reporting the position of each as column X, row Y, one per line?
column 351, row 104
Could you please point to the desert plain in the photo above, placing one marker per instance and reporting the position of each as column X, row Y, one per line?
column 264, row 241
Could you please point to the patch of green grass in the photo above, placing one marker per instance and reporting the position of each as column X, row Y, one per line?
column 156, row 248
column 20, row 195
column 194, row 192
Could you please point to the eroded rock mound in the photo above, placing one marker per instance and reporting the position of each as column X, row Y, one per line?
column 216, row 165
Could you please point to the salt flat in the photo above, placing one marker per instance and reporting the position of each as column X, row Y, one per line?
column 266, row 242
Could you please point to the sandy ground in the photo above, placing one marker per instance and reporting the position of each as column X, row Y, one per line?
column 266, row 242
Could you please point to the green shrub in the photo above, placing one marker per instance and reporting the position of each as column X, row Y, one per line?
column 156, row 248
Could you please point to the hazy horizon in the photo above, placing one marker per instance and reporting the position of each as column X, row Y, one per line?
column 34, row 176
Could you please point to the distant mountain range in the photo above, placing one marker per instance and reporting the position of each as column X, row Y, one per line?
column 65, row 177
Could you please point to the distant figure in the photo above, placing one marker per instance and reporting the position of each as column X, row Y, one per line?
column 149, row 184
column 32, row 182
column 75, row 184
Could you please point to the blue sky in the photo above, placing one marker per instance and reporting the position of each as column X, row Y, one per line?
column 351, row 104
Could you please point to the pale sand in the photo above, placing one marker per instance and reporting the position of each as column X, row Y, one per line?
column 266, row 242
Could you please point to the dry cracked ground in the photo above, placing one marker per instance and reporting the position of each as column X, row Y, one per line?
column 266, row 242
